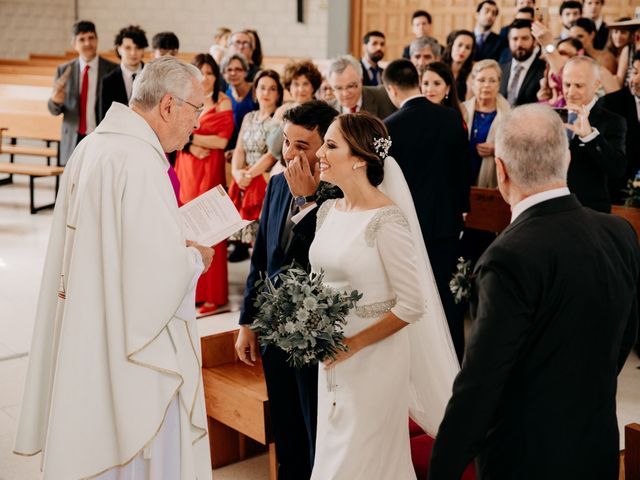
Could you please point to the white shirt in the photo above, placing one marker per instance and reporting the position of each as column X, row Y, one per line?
column 410, row 98
column 92, row 92
column 127, row 76
column 529, row 202
column 526, row 65
column 637, row 106
column 358, row 106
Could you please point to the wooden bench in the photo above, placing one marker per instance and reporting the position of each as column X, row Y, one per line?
column 491, row 213
column 32, row 171
column 237, row 404
column 631, row 454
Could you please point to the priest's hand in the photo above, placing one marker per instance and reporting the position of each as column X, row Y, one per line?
column 247, row 345
column 206, row 252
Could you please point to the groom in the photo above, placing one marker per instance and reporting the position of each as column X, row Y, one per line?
column 287, row 228
column 555, row 307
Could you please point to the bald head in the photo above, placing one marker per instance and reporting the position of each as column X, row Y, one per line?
column 531, row 141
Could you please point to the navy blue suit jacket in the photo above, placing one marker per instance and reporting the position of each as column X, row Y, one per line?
column 269, row 256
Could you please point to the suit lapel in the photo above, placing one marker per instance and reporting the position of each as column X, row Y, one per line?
column 528, row 78
column 504, row 81
column 74, row 85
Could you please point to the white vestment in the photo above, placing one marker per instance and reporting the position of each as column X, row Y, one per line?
column 115, row 341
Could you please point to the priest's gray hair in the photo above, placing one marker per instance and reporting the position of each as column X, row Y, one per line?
column 421, row 43
column 532, row 143
column 339, row 65
column 161, row 76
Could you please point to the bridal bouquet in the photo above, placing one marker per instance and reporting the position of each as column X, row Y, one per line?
column 302, row 316
column 633, row 192
column 460, row 284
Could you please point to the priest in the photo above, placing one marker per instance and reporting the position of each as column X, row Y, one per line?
column 114, row 382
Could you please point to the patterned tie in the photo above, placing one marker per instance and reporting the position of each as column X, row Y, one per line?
column 84, row 94
column 571, row 119
column 512, row 93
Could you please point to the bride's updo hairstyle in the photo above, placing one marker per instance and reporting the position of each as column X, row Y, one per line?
column 360, row 130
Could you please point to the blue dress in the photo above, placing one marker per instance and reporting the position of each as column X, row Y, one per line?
column 479, row 131
column 240, row 109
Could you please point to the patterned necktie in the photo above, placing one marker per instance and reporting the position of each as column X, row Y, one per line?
column 571, row 119
column 512, row 93
column 84, row 94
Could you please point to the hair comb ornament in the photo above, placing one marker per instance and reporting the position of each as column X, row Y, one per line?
column 382, row 145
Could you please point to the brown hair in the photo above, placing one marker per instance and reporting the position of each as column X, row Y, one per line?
column 359, row 131
column 273, row 75
column 205, row 59
column 303, row 68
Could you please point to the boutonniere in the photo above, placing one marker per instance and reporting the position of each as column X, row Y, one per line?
column 460, row 283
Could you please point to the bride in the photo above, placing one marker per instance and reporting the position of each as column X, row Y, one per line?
column 400, row 357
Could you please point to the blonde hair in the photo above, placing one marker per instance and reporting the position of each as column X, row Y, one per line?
column 483, row 65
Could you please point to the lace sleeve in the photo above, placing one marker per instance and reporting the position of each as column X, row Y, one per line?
column 390, row 214
column 323, row 210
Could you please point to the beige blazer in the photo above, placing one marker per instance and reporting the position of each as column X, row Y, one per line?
column 487, row 175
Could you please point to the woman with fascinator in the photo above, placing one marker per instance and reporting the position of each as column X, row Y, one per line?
column 400, row 357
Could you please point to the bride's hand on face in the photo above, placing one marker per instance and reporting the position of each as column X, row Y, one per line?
column 352, row 349
column 302, row 182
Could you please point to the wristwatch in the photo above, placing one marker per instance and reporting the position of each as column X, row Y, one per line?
column 550, row 48
column 301, row 201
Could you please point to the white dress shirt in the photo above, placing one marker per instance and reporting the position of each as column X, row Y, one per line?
column 92, row 92
column 637, row 106
column 358, row 106
column 529, row 202
column 409, row 99
column 127, row 76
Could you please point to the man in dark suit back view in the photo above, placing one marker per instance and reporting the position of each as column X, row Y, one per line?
column 287, row 228
column 130, row 43
column 597, row 136
column 522, row 74
column 77, row 89
column 430, row 145
column 554, row 302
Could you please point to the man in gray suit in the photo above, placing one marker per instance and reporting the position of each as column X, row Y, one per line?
column 76, row 89
column 345, row 78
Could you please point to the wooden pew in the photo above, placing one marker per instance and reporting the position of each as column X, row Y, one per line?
column 631, row 453
column 237, row 403
column 491, row 213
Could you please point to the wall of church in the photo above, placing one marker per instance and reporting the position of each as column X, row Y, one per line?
column 42, row 26
column 34, row 26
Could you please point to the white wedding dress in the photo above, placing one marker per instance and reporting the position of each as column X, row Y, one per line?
column 364, row 402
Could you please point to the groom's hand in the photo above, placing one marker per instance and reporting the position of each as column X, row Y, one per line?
column 247, row 345
column 302, row 182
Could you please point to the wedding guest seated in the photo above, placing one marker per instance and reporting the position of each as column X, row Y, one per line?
column 439, row 87
column 521, row 76
column 597, row 136
column 626, row 103
column 325, row 92
column 423, row 51
column 302, row 79
column 243, row 43
column 234, row 68
column 165, row 43
column 458, row 55
column 345, row 77
column 201, row 166
column 420, row 26
column 219, row 48
column 555, row 312
column 251, row 159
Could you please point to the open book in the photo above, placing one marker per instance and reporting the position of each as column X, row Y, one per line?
column 211, row 217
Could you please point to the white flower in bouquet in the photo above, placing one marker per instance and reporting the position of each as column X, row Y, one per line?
column 302, row 316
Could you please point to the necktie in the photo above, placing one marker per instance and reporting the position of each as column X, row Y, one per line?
column 133, row 79
column 479, row 41
column 571, row 119
column 374, row 75
column 512, row 93
column 354, row 109
column 84, row 93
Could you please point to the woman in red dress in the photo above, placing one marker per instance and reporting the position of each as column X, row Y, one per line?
column 201, row 166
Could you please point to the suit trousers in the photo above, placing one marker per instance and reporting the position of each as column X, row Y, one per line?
column 443, row 255
column 293, row 404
